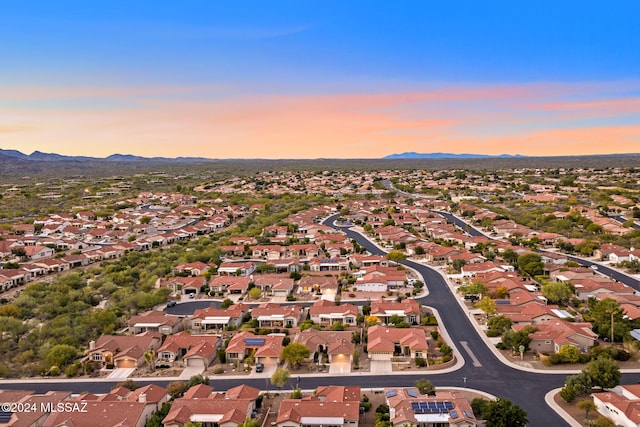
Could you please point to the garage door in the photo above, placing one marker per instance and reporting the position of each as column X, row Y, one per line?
column 126, row 363
column 195, row 362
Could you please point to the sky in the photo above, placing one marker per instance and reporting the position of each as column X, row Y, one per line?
column 319, row 79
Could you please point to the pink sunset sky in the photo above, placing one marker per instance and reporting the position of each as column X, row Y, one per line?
column 331, row 79
column 534, row 119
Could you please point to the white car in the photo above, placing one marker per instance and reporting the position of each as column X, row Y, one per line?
column 593, row 267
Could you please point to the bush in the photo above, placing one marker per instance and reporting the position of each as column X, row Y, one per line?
column 72, row 370
column 569, row 394
column 421, row 362
column 218, row 369
column 555, row 359
column 491, row 333
column 446, row 358
column 435, row 335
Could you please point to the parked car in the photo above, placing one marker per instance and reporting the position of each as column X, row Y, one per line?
column 259, row 367
column 171, row 304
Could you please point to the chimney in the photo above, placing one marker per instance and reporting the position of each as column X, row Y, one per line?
column 92, row 345
column 142, row 398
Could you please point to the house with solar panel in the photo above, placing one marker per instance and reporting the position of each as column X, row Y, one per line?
column 266, row 349
column 446, row 409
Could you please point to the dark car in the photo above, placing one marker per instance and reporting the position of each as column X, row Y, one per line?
column 171, row 304
column 259, row 367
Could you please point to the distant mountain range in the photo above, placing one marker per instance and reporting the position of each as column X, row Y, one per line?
column 40, row 156
column 414, row 155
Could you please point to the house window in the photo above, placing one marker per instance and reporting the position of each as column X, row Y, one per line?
column 96, row 357
column 547, row 342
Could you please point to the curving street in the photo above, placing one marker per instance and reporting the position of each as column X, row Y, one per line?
column 482, row 369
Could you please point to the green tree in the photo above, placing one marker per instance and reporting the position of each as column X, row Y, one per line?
column 499, row 323
column 458, row 263
column 396, row 256
column 226, row 303
column 425, row 386
column 487, row 305
column 513, row 340
column 296, row 394
column 531, row 264
column 602, row 421
column 510, row 256
column 295, row 353
column 502, row 413
column 586, row 405
column 280, row 377
column 176, row 389
column 254, row 293
column 603, row 312
column 604, row 372
column 569, row 353
column 60, row 354
column 474, row 288
column 557, row 292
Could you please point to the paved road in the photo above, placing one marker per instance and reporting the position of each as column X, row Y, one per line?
column 483, row 370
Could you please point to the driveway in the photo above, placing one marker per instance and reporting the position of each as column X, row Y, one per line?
column 340, row 368
column 380, row 367
column 191, row 371
column 120, row 373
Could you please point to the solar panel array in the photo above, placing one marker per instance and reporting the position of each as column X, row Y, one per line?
column 454, row 415
column 431, row 407
column 468, row 414
column 392, row 393
column 412, row 393
column 254, row 341
column 5, row 417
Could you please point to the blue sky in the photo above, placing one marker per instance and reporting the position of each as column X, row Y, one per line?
column 152, row 58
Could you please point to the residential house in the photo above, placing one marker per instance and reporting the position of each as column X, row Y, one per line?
column 622, row 405
column 28, row 399
column 186, row 285
column 213, row 319
column 192, row 269
column 325, row 286
column 386, row 342
column 123, row 351
column 202, row 405
column 230, row 284
column 274, row 284
column 551, row 335
column 266, row 349
column 334, row 347
column 194, row 350
column 408, row 309
column 271, row 315
column 407, row 406
column 326, row 313
column 245, row 268
column 103, row 413
column 470, row 270
column 155, row 321
column 331, row 406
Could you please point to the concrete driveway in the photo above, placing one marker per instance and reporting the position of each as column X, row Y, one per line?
column 340, row 368
column 121, row 373
column 191, row 371
column 380, row 367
